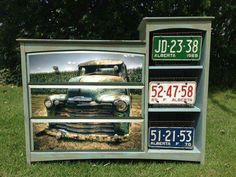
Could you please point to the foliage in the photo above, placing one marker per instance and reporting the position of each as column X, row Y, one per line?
column 8, row 77
column 112, row 19
column 135, row 75
column 48, row 91
column 62, row 77
column 223, row 53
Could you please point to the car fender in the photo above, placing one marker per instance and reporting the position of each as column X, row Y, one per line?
column 110, row 98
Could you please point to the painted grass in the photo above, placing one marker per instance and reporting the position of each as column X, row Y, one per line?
column 220, row 147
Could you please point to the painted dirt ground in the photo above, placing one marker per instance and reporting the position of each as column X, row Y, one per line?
column 46, row 143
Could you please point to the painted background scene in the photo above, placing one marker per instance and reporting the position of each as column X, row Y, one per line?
column 63, row 67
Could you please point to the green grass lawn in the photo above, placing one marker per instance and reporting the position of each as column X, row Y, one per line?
column 220, row 146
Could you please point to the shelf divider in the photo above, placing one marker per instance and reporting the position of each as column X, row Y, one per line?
column 174, row 109
column 195, row 150
column 176, row 67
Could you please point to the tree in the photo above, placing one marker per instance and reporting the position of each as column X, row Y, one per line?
column 223, row 54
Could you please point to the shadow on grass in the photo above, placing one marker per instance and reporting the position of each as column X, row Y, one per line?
column 222, row 106
column 106, row 162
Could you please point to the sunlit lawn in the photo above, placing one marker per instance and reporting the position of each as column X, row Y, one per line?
column 220, row 146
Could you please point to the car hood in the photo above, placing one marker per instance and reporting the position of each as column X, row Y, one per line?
column 97, row 78
column 112, row 98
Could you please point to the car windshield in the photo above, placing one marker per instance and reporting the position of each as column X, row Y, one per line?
column 106, row 70
column 94, row 92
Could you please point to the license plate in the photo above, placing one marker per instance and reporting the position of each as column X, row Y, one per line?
column 182, row 48
column 171, row 137
column 172, row 92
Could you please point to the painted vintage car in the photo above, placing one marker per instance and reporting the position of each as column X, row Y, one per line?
column 93, row 102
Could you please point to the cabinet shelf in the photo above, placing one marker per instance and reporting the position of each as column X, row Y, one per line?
column 176, row 67
column 173, row 154
column 171, row 109
column 162, row 154
column 179, row 151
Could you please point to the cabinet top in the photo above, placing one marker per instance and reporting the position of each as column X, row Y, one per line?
column 146, row 20
column 81, row 41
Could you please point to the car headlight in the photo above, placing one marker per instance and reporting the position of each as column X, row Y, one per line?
column 121, row 106
column 48, row 103
column 56, row 102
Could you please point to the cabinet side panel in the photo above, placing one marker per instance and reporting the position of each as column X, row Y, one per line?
column 25, row 101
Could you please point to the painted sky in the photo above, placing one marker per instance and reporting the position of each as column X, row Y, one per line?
column 68, row 61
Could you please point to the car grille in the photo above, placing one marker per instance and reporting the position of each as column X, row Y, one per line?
column 86, row 110
column 86, row 128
